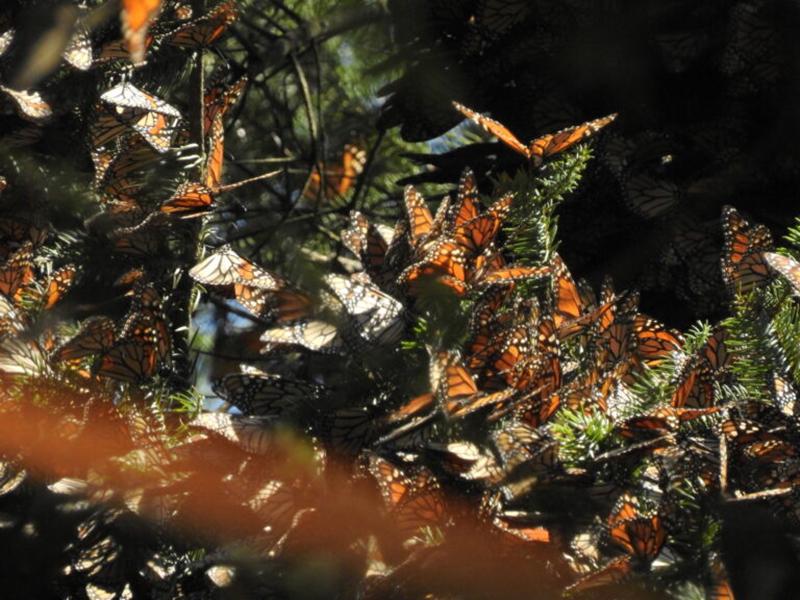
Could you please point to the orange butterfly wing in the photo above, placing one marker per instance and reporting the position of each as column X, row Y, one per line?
column 420, row 218
column 497, row 129
column 137, row 15
column 553, row 143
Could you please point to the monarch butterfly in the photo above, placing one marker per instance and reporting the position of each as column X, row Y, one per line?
column 130, row 361
column 11, row 322
column 150, row 117
column 477, row 234
column 467, row 206
column 126, row 95
column 218, row 99
column 467, row 461
column 640, row 536
column 519, row 443
column 141, row 347
column 191, row 199
column 650, row 197
column 614, row 340
column 695, row 388
column 134, row 155
column 368, row 243
column 17, row 271
column 78, row 52
column 225, row 267
column 743, row 264
column 265, row 395
column 19, row 356
column 412, row 408
column 204, row 30
column 29, row 105
column 59, row 284
column 349, row 430
column 653, row 342
column 457, row 392
column 377, row 317
column 216, row 154
column 542, row 147
column 523, row 534
column 136, row 17
column 572, row 304
column 516, row 362
column 486, row 325
column 314, row 335
column 660, row 422
column 251, row 434
column 18, row 230
column 786, row 266
column 420, row 219
column 445, row 262
column 285, row 305
column 338, row 180
column 95, row 336
column 413, row 500
column 105, row 128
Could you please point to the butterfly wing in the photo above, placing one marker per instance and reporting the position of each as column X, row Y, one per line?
column 497, row 129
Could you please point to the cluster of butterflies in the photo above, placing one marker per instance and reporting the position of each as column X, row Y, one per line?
column 522, row 362
column 136, row 17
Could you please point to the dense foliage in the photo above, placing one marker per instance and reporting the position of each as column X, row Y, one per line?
column 238, row 360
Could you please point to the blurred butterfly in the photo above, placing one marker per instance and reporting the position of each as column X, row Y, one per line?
column 11, row 321
column 719, row 586
column 250, row 434
column 78, row 52
column 204, row 30
column 136, row 17
column 265, row 395
column 314, row 335
column 29, row 105
column 743, row 264
column 339, row 180
column 786, row 266
column 542, row 147
column 349, row 430
column 413, row 499
column 648, row 196
column 19, row 356
column 5, row 40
